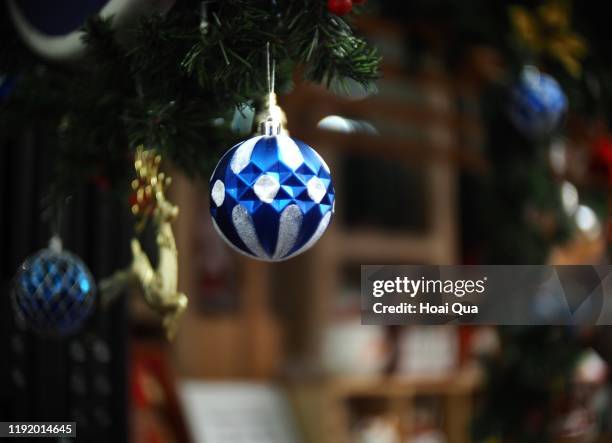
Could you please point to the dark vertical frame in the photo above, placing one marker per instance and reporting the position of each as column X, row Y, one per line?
column 42, row 378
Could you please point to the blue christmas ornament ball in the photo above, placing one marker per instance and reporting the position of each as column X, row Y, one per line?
column 6, row 86
column 537, row 103
column 54, row 292
column 272, row 197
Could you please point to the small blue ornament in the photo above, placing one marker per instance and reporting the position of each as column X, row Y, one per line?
column 54, row 292
column 272, row 196
column 537, row 104
column 6, row 87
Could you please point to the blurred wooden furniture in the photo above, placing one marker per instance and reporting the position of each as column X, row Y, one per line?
column 239, row 341
column 417, row 126
column 338, row 399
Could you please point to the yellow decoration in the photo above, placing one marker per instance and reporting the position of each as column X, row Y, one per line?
column 271, row 114
column 159, row 286
column 547, row 31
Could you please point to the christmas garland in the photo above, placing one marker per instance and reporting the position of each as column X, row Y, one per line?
column 174, row 81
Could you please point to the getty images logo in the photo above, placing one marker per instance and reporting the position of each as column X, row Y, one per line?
column 413, row 287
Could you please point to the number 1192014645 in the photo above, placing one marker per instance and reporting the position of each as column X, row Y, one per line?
column 38, row 429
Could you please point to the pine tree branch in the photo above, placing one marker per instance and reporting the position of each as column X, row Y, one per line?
column 166, row 83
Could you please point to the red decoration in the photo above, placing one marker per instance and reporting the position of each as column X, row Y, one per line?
column 102, row 182
column 339, row 7
column 145, row 204
column 132, row 199
column 602, row 156
column 603, row 150
column 142, row 201
column 157, row 416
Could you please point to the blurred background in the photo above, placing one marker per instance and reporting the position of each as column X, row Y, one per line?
column 487, row 142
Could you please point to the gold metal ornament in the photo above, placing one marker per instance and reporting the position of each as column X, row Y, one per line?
column 159, row 286
column 548, row 31
column 271, row 119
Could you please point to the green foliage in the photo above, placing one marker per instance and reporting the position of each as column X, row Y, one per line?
column 517, row 216
column 167, row 83
column 526, row 383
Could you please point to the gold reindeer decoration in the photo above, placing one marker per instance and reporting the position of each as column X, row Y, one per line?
column 160, row 285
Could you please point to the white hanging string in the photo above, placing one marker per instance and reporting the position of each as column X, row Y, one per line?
column 271, row 70
column 272, row 124
column 204, row 17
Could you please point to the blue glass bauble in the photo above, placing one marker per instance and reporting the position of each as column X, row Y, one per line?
column 271, row 197
column 537, row 103
column 54, row 292
column 6, row 87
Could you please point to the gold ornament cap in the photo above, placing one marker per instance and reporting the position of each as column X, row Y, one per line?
column 273, row 119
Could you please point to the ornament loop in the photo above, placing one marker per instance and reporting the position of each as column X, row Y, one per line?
column 55, row 244
column 271, row 122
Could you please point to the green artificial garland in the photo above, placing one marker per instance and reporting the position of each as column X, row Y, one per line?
column 174, row 81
